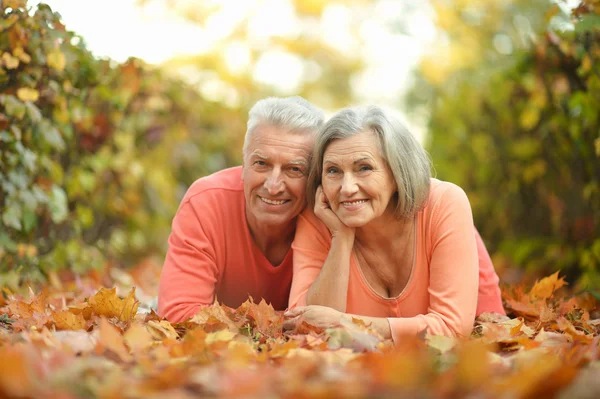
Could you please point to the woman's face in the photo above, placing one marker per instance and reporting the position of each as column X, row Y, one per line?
column 357, row 181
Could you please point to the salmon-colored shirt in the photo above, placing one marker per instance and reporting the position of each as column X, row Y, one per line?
column 442, row 292
column 212, row 254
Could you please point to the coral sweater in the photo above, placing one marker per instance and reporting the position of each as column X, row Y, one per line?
column 212, row 254
column 441, row 295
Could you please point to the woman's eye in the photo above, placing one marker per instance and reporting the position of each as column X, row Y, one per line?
column 365, row 168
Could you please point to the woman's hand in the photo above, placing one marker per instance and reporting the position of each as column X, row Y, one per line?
column 324, row 212
column 318, row 316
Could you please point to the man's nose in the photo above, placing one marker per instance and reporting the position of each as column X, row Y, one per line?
column 274, row 183
column 349, row 186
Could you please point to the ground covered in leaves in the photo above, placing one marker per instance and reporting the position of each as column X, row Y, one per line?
column 75, row 338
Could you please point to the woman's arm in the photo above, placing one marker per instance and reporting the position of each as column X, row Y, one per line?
column 331, row 286
column 453, row 270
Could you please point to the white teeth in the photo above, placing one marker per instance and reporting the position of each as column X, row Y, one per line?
column 268, row 201
column 354, row 202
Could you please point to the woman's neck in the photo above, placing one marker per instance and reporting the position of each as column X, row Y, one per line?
column 384, row 231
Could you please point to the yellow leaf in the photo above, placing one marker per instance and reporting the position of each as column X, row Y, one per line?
column 161, row 330
column 107, row 303
column 544, row 288
column 440, row 342
column 9, row 61
column 27, row 94
column 56, row 60
column 222, row 335
column 22, row 55
column 66, row 320
column 473, row 367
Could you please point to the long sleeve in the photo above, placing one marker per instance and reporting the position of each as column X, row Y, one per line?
column 190, row 271
column 311, row 246
column 453, row 272
column 490, row 298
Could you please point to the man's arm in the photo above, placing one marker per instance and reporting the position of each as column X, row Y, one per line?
column 190, row 273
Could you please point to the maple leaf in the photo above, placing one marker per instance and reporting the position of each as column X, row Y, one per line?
column 137, row 337
column 107, row 303
column 160, row 330
column 66, row 320
column 111, row 338
column 215, row 311
column 545, row 288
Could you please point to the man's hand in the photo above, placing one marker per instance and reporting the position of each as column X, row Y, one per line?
column 324, row 212
column 318, row 316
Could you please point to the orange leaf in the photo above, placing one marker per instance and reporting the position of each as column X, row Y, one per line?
column 545, row 288
column 15, row 377
column 66, row 320
column 137, row 337
column 111, row 339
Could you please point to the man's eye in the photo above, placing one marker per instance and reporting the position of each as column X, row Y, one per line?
column 331, row 171
column 259, row 163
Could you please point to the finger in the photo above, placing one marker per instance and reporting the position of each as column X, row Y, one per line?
column 290, row 324
column 295, row 311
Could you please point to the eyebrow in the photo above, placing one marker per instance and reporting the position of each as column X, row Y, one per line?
column 258, row 154
column 359, row 160
column 294, row 162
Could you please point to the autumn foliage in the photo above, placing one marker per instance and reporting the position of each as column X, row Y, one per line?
column 514, row 99
column 78, row 339
column 87, row 174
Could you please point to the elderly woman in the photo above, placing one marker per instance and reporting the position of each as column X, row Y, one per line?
column 387, row 242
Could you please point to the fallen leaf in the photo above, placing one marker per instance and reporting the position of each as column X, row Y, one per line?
column 137, row 337
column 545, row 288
column 107, row 303
column 111, row 339
column 66, row 320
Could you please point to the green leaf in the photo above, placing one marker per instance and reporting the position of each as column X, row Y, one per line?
column 58, row 205
column 29, row 220
column 12, row 216
column 51, row 135
column 34, row 112
column 587, row 23
column 7, row 243
column 13, row 106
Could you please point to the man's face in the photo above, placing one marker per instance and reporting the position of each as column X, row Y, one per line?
column 274, row 173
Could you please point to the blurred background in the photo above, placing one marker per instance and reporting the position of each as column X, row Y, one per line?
column 110, row 109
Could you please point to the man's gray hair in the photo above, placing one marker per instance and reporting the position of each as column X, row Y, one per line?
column 292, row 114
column 409, row 162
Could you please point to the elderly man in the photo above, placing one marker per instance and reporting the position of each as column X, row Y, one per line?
column 231, row 237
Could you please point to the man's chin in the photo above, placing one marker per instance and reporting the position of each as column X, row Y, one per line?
column 276, row 220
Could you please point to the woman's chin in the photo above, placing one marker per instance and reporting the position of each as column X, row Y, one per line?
column 354, row 222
